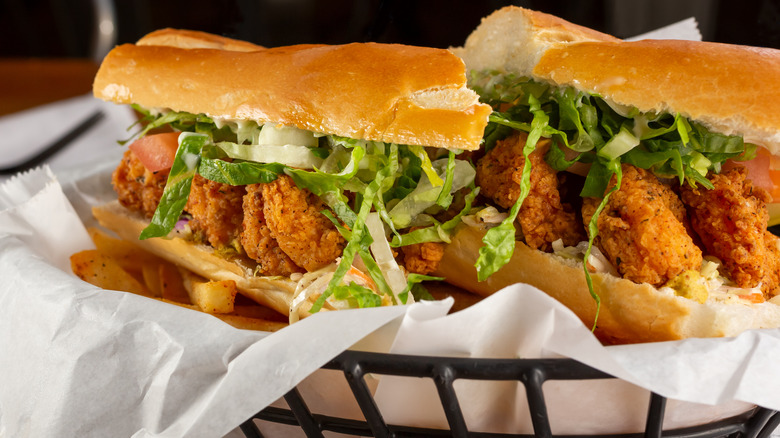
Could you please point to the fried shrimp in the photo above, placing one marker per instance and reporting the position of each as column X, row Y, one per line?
column 138, row 188
column 423, row 258
column 216, row 211
column 256, row 237
column 770, row 282
column 731, row 220
column 543, row 217
column 294, row 217
column 640, row 229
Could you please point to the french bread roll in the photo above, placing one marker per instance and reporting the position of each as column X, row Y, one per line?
column 394, row 94
column 731, row 90
column 629, row 312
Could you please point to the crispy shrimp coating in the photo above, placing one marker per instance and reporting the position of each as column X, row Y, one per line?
column 640, row 229
column 295, row 219
column 423, row 258
column 543, row 217
column 138, row 189
column 770, row 283
column 216, row 211
column 731, row 220
column 256, row 237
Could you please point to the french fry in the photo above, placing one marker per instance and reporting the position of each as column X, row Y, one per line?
column 104, row 271
column 120, row 265
column 171, row 285
column 129, row 256
column 151, row 275
column 210, row 296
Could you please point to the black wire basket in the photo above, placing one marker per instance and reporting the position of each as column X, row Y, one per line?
column 444, row 371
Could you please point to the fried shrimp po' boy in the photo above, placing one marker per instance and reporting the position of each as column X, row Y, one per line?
column 289, row 169
column 669, row 149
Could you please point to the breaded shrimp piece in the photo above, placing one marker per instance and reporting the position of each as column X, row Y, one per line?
column 216, row 211
column 295, row 219
column 731, row 220
column 770, row 283
column 423, row 258
column 640, row 232
column 138, row 188
column 256, row 237
column 543, row 217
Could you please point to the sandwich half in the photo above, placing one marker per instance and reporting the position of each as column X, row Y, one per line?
column 290, row 170
column 632, row 181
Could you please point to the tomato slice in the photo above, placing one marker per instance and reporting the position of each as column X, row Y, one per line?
column 157, row 151
column 764, row 171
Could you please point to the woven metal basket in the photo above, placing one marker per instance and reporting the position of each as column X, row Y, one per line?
column 532, row 373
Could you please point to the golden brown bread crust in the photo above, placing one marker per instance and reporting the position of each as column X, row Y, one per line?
column 274, row 292
column 629, row 312
column 389, row 93
column 730, row 89
column 192, row 39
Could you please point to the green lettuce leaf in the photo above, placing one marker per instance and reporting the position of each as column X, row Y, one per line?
column 177, row 188
column 500, row 241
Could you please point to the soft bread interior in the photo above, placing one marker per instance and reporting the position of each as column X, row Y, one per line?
column 629, row 312
column 513, row 39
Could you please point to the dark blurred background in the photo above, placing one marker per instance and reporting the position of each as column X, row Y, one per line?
column 69, row 28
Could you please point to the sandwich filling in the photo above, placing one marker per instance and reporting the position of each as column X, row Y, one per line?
column 350, row 220
column 654, row 198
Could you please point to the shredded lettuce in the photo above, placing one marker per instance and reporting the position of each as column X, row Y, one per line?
column 413, row 285
column 427, row 166
column 669, row 144
column 177, row 188
column 302, row 157
column 445, row 195
column 235, row 173
column 500, row 241
column 359, row 241
column 426, row 194
column 437, row 232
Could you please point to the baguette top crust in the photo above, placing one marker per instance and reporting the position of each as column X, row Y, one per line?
column 193, row 39
column 732, row 90
column 383, row 92
column 629, row 312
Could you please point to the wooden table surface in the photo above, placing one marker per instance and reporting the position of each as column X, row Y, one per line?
column 26, row 83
